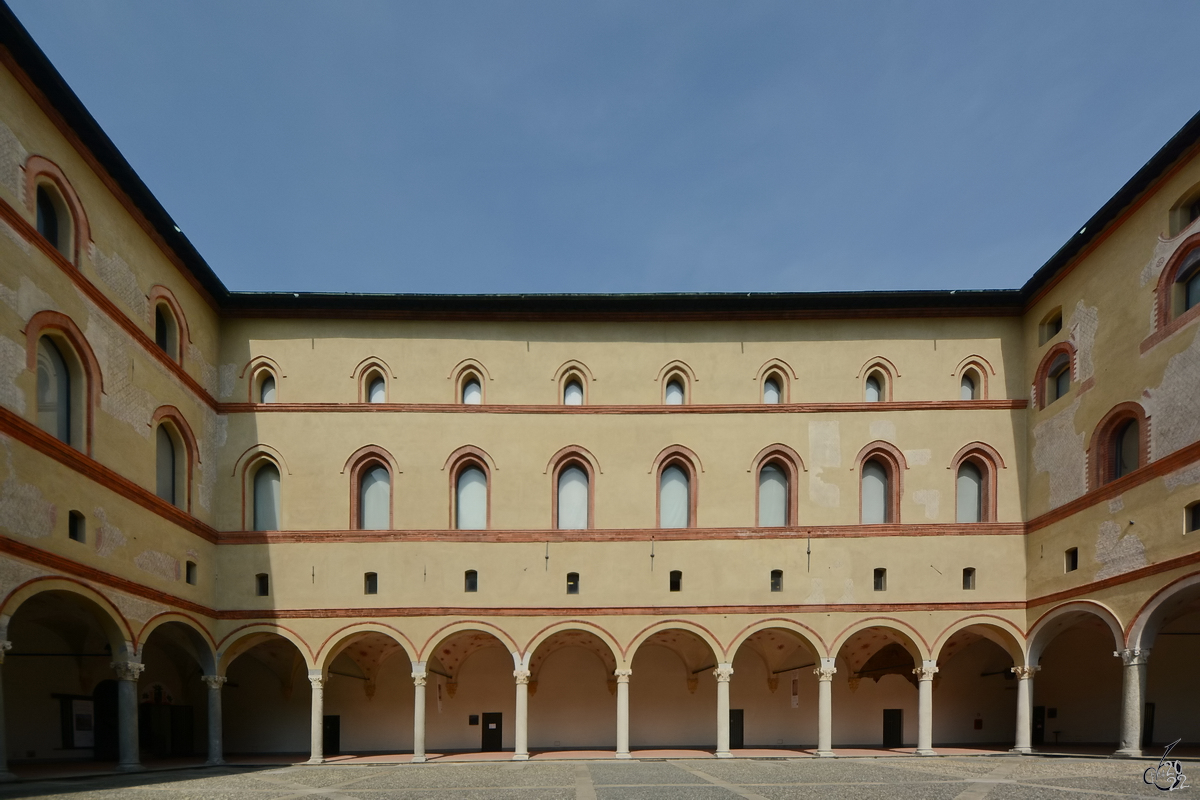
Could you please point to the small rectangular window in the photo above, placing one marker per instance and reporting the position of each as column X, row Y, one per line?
column 1193, row 517
column 190, row 573
column 880, row 580
column 471, row 581
column 1051, row 326
column 77, row 526
column 676, row 580
column 572, row 583
column 969, row 578
column 370, row 583
column 776, row 580
column 1072, row 559
column 262, row 584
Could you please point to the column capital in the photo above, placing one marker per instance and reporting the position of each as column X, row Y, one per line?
column 825, row 673
column 623, row 675
column 214, row 681
column 317, row 681
column 723, row 673
column 522, row 676
column 926, row 671
column 419, row 678
column 1134, row 656
column 1025, row 672
column 128, row 670
column 5, row 646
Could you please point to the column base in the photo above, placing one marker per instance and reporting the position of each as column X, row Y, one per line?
column 215, row 763
column 1127, row 753
column 725, row 754
column 315, row 761
column 1021, row 750
column 418, row 760
column 623, row 755
column 6, row 776
column 130, row 768
column 520, row 757
column 926, row 753
column 826, row 754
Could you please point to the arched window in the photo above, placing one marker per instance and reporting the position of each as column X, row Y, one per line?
column 969, row 505
column 472, row 390
column 266, row 388
column 968, row 388
column 773, row 496
column 1050, row 326
column 375, row 498
column 266, row 497
column 471, row 499
column 572, row 583
column 47, row 216
column 166, row 331
column 470, row 581
column 674, row 497
column 874, row 388
column 1058, row 382
column 54, row 394
column 1189, row 286
column 1126, row 445
column 876, row 493
column 376, row 388
column 573, row 498
column 776, row 580
column 675, row 394
column 675, row 580
column 573, row 393
column 170, row 473
column 772, row 393
column 371, row 583
column 262, row 584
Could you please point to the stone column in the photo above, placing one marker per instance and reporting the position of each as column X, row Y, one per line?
column 723, row 673
column 521, row 739
column 216, row 754
column 418, row 676
column 623, row 712
column 128, row 673
column 925, row 675
column 317, row 731
column 5, row 775
column 825, row 674
column 1133, row 693
column 1023, row 742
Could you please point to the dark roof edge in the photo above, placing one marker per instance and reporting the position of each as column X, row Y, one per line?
column 30, row 58
column 1098, row 223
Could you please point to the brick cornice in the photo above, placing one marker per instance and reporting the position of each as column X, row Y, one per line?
column 713, row 408
column 1185, row 560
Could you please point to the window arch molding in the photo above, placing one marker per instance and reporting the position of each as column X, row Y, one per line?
column 988, row 461
column 677, row 455
column 792, row 465
column 257, row 368
column 1043, row 371
column 40, row 170
column 462, row 372
column 1179, row 218
column 894, row 463
column 982, row 367
column 782, row 372
column 1166, row 314
column 573, row 370
column 569, row 456
column 161, row 295
column 172, row 416
column 63, row 331
column 463, row 458
column 680, row 371
column 1101, row 452
column 886, row 369
column 357, row 465
column 247, row 466
column 366, row 370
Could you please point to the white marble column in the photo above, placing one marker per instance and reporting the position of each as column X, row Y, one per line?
column 1133, row 694
column 1023, row 742
column 521, row 738
column 623, row 712
column 925, row 674
column 418, row 676
column 317, row 709
column 128, row 673
column 216, row 754
column 5, row 775
column 723, row 673
column 825, row 674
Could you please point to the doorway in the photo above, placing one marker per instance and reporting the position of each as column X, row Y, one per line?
column 737, row 729
column 331, row 735
column 493, row 732
column 1039, row 726
column 1148, row 725
column 893, row 727
column 104, row 707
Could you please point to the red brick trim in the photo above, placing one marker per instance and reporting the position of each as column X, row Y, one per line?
column 462, row 373
column 1186, row 560
column 160, row 293
column 469, row 456
column 679, row 371
column 783, row 374
column 1164, row 309
column 987, row 460
column 361, row 460
column 714, row 408
column 249, row 462
column 1042, row 375
column 982, row 367
column 573, row 455
column 792, row 466
column 39, row 169
column 577, row 371
column 257, row 366
column 1101, row 452
column 886, row 369
column 894, row 462
column 1151, row 602
column 191, row 448
column 677, row 455
column 53, row 322
column 363, row 374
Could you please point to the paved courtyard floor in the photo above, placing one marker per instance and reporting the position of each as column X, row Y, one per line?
column 900, row 777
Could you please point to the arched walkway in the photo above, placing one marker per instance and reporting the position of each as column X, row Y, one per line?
column 976, row 686
column 875, row 693
column 774, row 692
column 673, row 699
column 369, row 689
column 270, row 697
column 174, row 709
column 572, row 691
column 1169, row 627
column 470, row 702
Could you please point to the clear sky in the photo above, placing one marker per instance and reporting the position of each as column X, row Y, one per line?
column 566, row 146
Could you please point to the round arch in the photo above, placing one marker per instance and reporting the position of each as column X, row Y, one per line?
column 446, row 631
column 573, row 625
column 238, row 641
column 810, row 638
column 1061, row 617
column 996, row 629
column 914, row 642
column 206, row 651
column 699, row 631
column 1151, row 616
column 342, row 638
column 116, row 628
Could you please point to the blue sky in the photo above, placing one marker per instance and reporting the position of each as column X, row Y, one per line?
column 565, row 146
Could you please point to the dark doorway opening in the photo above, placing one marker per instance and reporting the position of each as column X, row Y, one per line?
column 737, row 728
column 104, row 707
column 1148, row 725
column 1039, row 726
column 893, row 727
column 331, row 735
column 493, row 732
column 165, row 730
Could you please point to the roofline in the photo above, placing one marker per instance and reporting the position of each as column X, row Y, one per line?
column 27, row 56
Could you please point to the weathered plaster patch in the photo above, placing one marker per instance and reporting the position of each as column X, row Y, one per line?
column 1085, row 321
column 1116, row 504
column 158, row 564
column 118, row 276
column 121, row 398
column 208, row 373
column 817, row 595
column 1163, row 250
column 23, row 509
column 824, row 451
column 1175, row 421
column 1188, row 476
column 135, row 608
column 930, row 499
column 12, row 364
column 108, row 536
column 1059, row 451
column 883, row 429
column 228, row 380
column 13, row 573
column 12, row 160
column 28, row 299
column 918, row 458
column 16, row 238
column 214, row 429
column 847, row 591
column 1119, row 554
